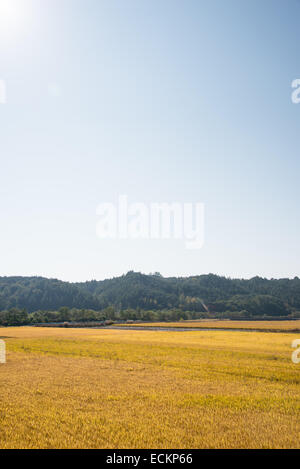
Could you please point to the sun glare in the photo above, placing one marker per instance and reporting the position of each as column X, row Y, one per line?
column 12, row 15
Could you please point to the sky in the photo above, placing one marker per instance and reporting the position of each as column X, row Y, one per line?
column 161, row 101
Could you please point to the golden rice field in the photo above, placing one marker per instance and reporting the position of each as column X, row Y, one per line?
column 270, row 326
column 84, row 388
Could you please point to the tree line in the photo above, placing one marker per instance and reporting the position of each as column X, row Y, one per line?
column 137, row 296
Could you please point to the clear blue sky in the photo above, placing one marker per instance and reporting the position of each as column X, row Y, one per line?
column 163, row 100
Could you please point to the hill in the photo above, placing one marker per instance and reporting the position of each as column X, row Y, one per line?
column 132, row 294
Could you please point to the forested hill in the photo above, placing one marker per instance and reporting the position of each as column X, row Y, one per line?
column 137, row 291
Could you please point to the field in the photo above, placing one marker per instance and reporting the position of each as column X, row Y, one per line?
column 267, row 326
column 84, row 388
